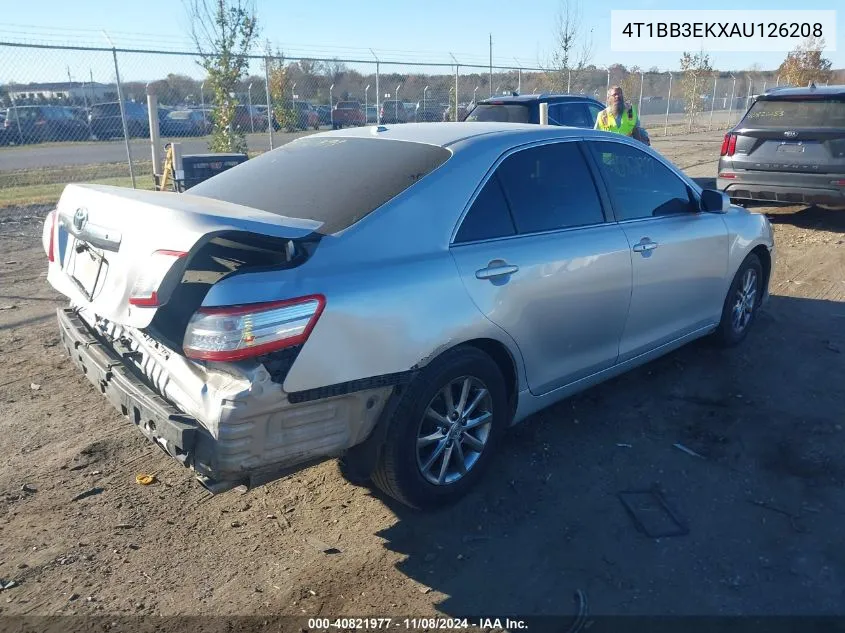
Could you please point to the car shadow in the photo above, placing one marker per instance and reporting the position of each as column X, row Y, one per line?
column 812, row 217
column 546, row 522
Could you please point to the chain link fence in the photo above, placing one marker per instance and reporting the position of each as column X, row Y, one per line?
column 74, row 114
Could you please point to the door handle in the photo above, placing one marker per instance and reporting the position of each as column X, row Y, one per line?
column 645, row 245
column 499, row 270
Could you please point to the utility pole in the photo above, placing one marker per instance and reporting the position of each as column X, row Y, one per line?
column 491, row 64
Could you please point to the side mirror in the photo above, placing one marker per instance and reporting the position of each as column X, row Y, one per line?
column 713, row 201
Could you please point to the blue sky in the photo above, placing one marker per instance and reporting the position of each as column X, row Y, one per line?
column 413, row 31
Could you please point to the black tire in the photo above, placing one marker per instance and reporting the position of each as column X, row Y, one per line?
column 397, row 472
column 727, row 334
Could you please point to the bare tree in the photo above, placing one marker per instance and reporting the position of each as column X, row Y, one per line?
column 695, row 69
column 224, row 32
column 573, row 48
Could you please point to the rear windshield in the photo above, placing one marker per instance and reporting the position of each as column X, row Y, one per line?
column 365, row 174
column 510, row 113
column 797, row 113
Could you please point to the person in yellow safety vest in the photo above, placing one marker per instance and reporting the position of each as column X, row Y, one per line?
column 620, row 117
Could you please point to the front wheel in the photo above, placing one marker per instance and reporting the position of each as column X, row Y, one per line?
column 444, row 431
column 742, row 302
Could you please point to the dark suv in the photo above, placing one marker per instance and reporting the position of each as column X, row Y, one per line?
column 106, row 122
column 789, row 147
column 571, row 110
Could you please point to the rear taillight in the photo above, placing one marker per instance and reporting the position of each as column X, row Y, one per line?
column 840, row 183
column 237, row 332
column 727, row 174
column 50, row 240
column 728, row 145
column 145, row 291
column 732, row 145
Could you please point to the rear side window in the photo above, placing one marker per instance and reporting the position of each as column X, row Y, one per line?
column 489, row 216
column 571, row 114
column 550, row 187
column 365, row 174
column 501, row 113
column 800, row 113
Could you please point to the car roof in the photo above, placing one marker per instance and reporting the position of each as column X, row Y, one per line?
column 449, row 133
column 826, row 91
column 538, row 97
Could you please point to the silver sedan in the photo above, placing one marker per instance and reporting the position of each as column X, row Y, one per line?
column 395, row 297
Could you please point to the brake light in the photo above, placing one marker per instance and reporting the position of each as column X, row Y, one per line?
column 145, row 291
column 728, row 145
column 732, row 145
column 50, row 240
column 237, row 332
column 724, row 149
column 728, row 175
column 840, row 183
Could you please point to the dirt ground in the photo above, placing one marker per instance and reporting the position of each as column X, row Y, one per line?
column 763, row 500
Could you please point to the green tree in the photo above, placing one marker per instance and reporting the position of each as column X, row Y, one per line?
column 224, row 32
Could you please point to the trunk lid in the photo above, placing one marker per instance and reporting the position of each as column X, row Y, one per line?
column 106, row 237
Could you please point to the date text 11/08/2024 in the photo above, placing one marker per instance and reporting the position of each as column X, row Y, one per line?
column 458, row 624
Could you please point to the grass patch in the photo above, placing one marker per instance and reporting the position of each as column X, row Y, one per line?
column 49, row 193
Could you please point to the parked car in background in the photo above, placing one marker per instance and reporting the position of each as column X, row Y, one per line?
column 393, row 111
column 106, row 121
column 462, row 113
column 789, row 147
column 348, row 113
column 372, row 114
column 427, row 112
column 557, row 259
column 249, row 119
column 37, row 124
column 186, row 123
column 564, row 109
column 324, row 114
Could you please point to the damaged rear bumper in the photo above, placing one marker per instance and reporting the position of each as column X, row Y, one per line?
column 257, row 440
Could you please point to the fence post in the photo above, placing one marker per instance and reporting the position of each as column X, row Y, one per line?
column 713, row 104
column 668, row 104
column 270, row 113
column 123, row 117
column 731, row 106
column 378, row 96
column 640, row 106
column 155, row 139
column 457, row 70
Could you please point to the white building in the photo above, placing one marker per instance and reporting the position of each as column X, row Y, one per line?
column 78, row 91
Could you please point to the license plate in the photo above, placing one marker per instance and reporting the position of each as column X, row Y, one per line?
column 791, row 148
column 87, row 268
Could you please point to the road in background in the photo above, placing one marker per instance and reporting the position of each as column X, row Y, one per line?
column 74, row 154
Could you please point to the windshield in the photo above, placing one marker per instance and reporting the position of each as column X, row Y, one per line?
column 366, row 173
column 797, row 113
column 501, row 113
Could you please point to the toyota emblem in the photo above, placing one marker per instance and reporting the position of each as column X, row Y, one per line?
column 790, row 134
column 80, row 218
